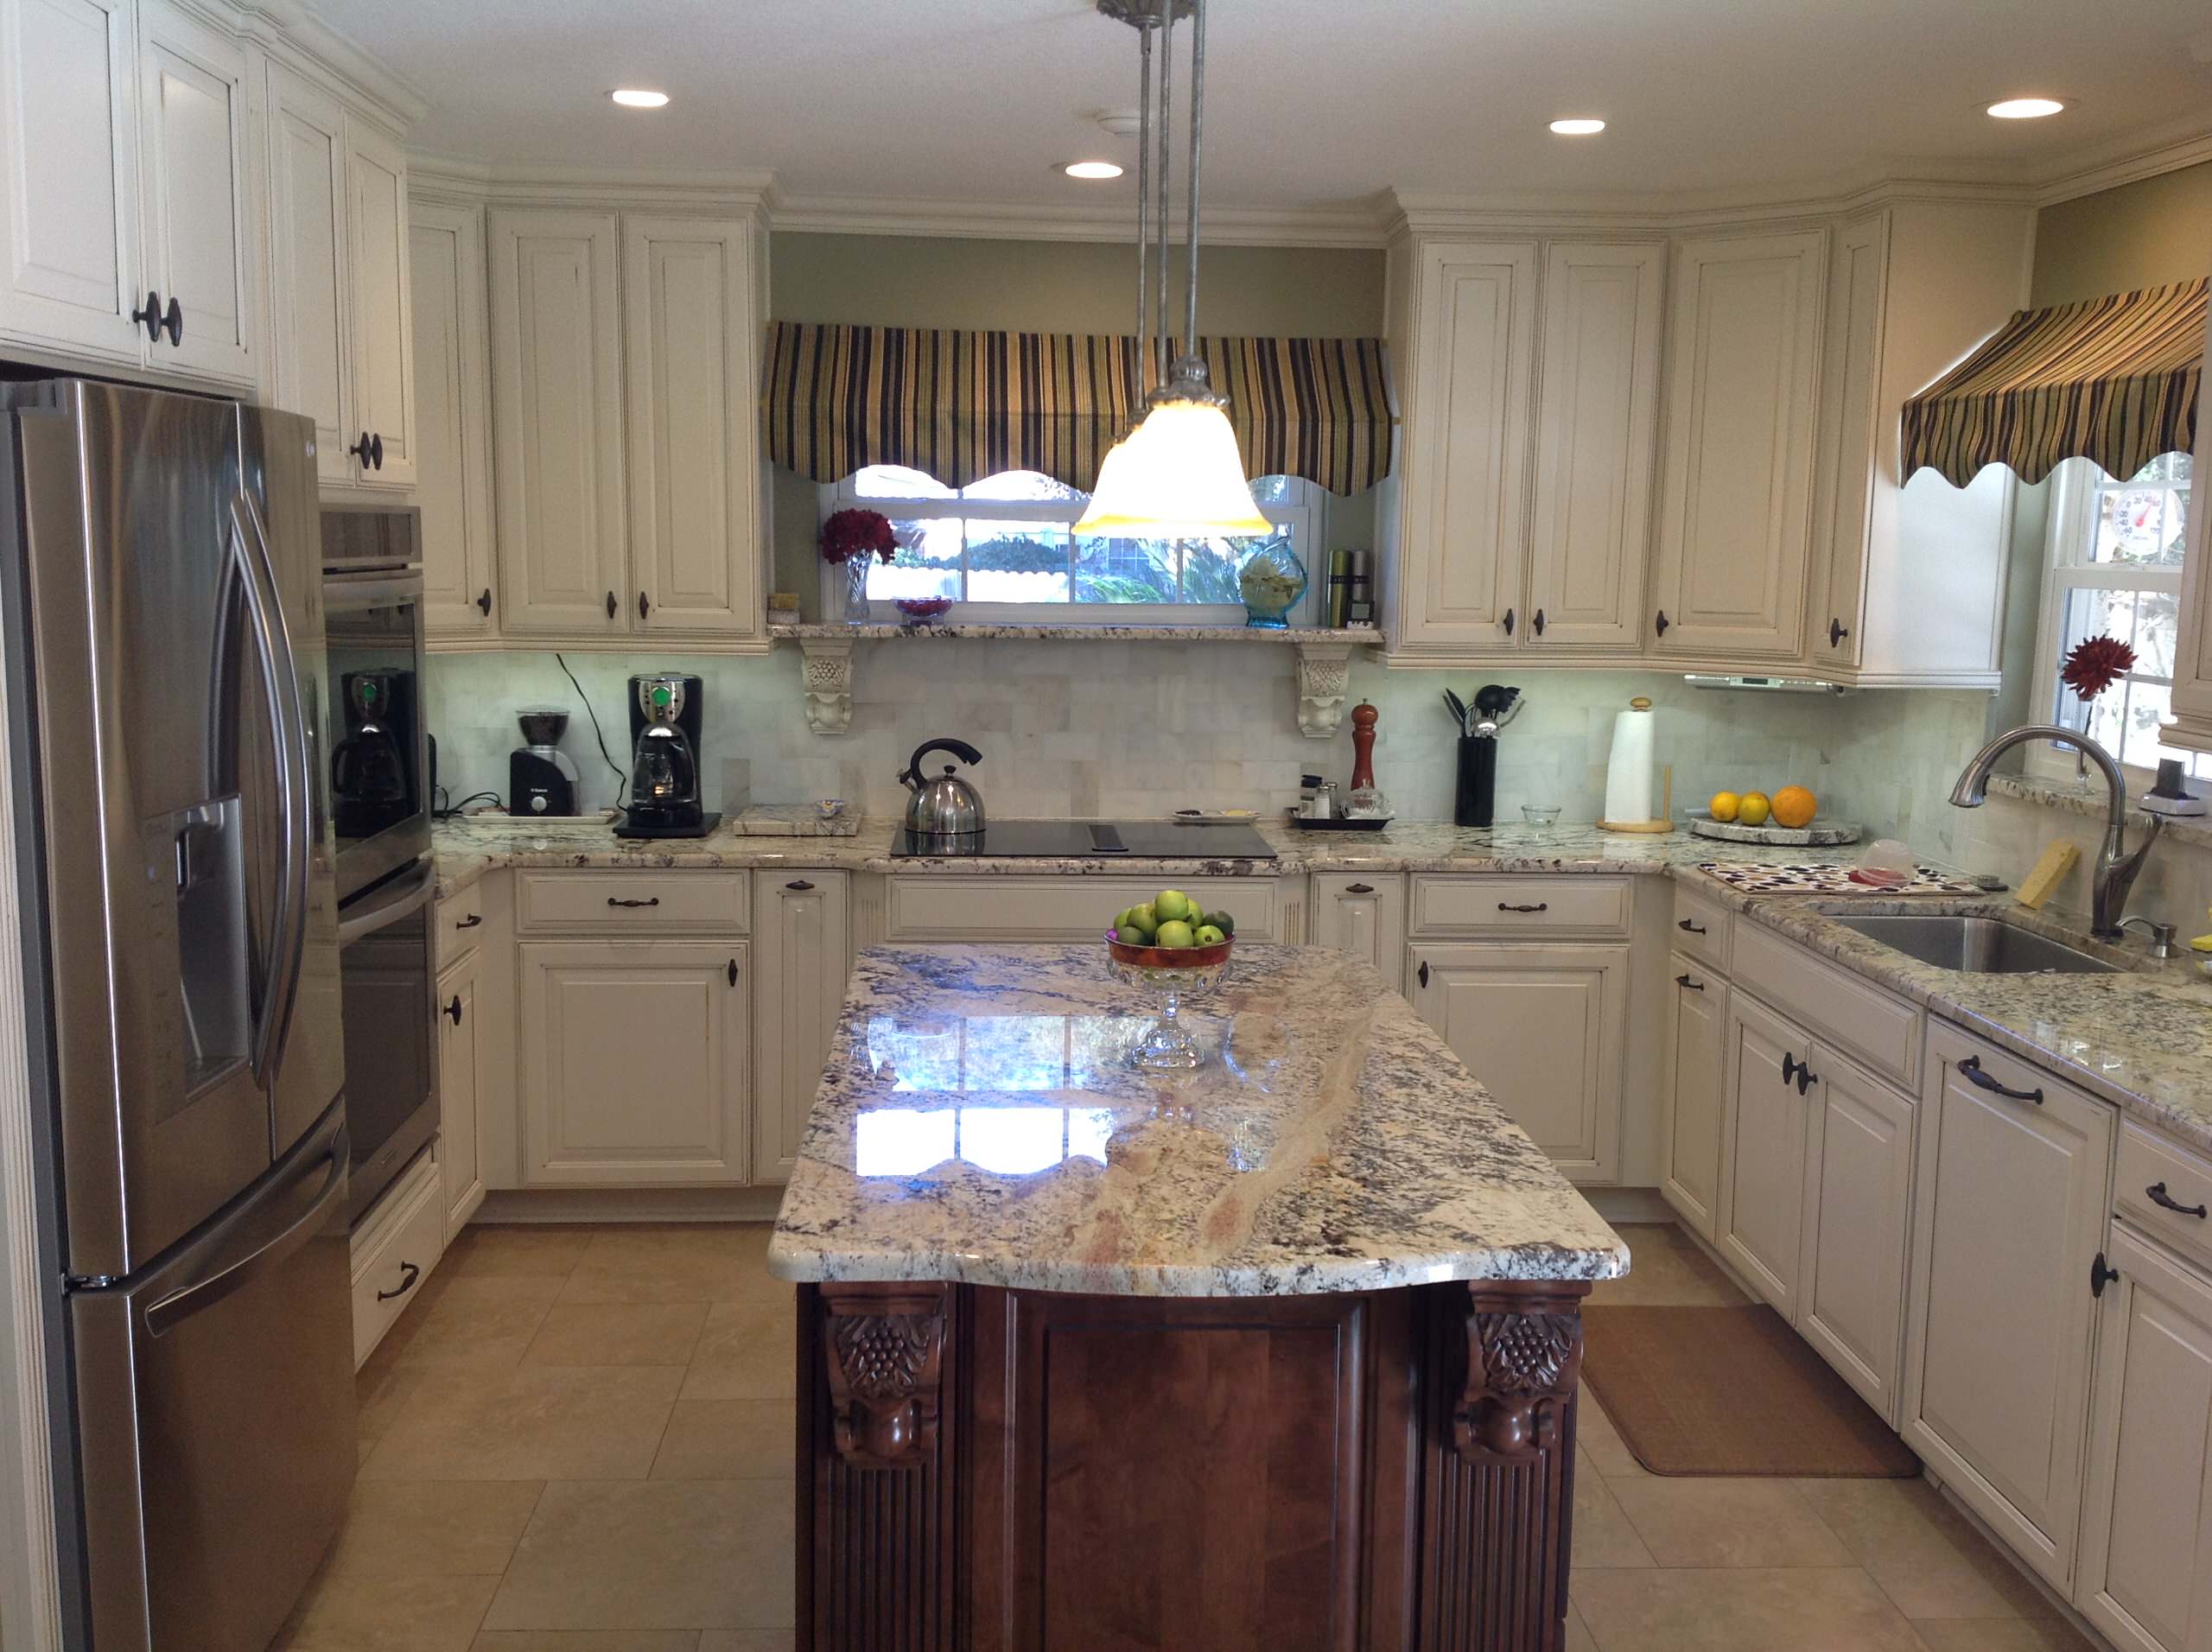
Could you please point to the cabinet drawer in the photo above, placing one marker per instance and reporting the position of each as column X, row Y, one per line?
column 1856, row 1016
column 660, row 902
column 1443, row 905
column 1023, row 908
column 1701, row 928
column 2147, row 1161
column 459, row 925
column 394, row 1250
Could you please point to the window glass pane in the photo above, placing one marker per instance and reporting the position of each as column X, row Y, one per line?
column 897, row 482
column 2166, row 467
column 928, row 563
column 1022, row 484
column 1209, row 569
column 1274, row 490
column 1125, row 570
column 1017, row 561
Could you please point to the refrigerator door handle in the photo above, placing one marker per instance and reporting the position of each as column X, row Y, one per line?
column 411, row 895
column 179, row 1306
column 280, row 683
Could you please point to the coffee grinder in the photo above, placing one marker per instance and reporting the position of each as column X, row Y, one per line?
column 664, row 715
column 541, row 777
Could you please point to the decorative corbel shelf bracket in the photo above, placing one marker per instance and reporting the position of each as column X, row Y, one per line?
column 886, row 1359
column 828, row 674
column 1524, row 1360
column 1323, row 682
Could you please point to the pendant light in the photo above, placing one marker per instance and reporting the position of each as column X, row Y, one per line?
column 1178, row 475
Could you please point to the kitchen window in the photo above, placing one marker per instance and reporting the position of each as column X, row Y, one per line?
column 1003, row 548
column 2115, row 570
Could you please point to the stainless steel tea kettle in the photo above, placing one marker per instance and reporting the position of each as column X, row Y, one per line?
column 947, row 806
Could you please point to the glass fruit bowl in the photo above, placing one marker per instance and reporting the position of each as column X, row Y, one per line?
column 1171, row 973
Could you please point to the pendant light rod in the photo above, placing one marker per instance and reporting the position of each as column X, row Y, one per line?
column 1166, row 126
column 1144, row 187
column 1190, row 234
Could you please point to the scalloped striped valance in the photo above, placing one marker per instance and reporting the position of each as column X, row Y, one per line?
column 2113, row 380
column 962, row 406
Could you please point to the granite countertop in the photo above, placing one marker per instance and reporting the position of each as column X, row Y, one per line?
column 977, row 1122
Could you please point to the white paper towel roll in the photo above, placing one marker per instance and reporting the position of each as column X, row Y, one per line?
column 1629, row 790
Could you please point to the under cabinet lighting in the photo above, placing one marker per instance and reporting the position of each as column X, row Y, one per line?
column 637, row 98
column 2026, row 108
column 1580, row 126
column 1092, row 169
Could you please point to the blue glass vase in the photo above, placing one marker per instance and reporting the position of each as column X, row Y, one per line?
column 1271, row 581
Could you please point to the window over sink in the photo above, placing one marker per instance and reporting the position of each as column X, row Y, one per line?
column 1003, row 548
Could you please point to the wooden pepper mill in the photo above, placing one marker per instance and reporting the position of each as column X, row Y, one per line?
column 1363, row 719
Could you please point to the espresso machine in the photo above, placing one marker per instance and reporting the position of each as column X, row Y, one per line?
column 370, row 786
column 664, row 802
column 541, row 776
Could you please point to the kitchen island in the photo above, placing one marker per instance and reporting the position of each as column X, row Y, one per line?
column 1280, row 1352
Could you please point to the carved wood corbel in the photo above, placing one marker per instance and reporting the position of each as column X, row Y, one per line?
column 1524, row 1360
column 886, row 1348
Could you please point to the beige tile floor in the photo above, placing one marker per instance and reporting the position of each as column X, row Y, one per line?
column 580, row 1440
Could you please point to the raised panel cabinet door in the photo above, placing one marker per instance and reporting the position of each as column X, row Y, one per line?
column 1737, row 516
column 1597, row 449
column 1364, row 914
column 377, row 260
column 634, row 1063
column 556, row 423
column 1542, row 1028
column 1857, row 278
column 69, row 258
column 1696, row 1069
column 2145, row 1576
column 800, row 941
column 1469, row 522
column 689, row 325
column 1858, row 1212
column 453, row 420
column 1760, row 1226
column 460, row 1058
column 310, row 367
column 193, row 205
column 2010, row 1205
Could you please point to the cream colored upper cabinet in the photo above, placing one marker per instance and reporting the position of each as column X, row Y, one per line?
column 2192, row 690
column 1729, row 575
column 382, row 331
column 69, row 258
column 1597, row 426
column 691, row 324
column 310, row 365
column 453, row 420
column 192, row 198
column 1465, row 499
column 557, row 420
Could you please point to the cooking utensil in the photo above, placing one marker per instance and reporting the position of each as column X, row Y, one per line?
column 1458, row 708
column 947, row 806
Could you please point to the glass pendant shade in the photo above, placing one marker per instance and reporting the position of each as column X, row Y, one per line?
column 1177, row 476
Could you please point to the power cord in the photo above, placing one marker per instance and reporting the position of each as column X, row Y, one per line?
column 451, row 810
column 621, row 779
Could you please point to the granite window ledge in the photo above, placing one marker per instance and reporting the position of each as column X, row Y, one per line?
column 2195, row 830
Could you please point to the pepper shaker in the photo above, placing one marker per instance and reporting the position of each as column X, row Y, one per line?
column 1363, row 719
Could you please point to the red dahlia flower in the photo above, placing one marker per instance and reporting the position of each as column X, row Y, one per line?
column 853, row 532
column 2094, row 665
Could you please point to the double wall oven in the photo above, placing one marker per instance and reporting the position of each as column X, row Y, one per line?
column 380, row 785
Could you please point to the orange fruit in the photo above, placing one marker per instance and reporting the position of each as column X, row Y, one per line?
column 1753, row 808
column 1795, row 807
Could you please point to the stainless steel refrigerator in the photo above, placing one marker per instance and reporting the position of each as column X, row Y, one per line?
column 160, row 575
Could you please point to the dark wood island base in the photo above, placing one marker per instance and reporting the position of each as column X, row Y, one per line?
column 1006, row 1471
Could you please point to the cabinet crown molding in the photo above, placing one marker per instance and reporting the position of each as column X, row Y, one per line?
column 272, row 23
column 457, row 179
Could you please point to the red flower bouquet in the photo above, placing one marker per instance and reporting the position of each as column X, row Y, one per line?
column 853, row 532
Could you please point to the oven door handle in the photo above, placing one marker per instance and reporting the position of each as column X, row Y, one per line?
column 405, row 896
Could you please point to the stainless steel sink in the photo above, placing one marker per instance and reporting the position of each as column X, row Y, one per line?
column 1981, row 946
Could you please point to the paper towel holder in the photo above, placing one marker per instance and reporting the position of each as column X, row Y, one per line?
column 1665, row 821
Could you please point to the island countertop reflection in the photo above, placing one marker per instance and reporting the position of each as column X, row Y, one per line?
column 978, row 1122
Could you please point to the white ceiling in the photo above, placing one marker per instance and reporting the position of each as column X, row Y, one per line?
column 1308, row 102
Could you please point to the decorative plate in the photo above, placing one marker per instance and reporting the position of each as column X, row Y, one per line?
column 1821, row 834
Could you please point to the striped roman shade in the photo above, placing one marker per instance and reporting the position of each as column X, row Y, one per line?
column 961, row 406
column 2114, row 380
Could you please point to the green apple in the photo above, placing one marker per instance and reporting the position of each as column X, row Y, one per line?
column 1125, row 920
column 1173, row 903
column 1174, row 933
column 1210, row 935
column 1223, row 922
column 1143, row 919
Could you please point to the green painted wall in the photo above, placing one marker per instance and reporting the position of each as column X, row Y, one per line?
column 1053, row 287
column 2144, row 234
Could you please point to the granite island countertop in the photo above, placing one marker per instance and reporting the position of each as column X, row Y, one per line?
column 977, row 1123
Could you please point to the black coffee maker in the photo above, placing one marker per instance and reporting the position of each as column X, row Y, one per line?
column 372, row 779
column 664, row 801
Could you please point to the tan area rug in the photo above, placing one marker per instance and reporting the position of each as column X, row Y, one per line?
column 1734, row 1391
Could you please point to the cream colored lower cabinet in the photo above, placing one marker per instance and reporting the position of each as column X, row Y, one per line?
column 1542, row 1027
column 1760, row 1225
column 461, row 1052
column 2145, row 1576
column 2010, row 1193
column 801, row 955
column 1697, row 1066
column 635, row 1062
column 1364, row 914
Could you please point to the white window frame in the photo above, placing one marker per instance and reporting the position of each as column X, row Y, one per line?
column 1305, row 515
column 2072, row 524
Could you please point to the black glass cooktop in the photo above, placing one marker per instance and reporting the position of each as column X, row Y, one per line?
column 1103, row 840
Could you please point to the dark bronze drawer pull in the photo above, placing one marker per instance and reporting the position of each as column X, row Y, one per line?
column 1695, row 986
column 1540, row 906
column 2157, row 1195
column 1972, row 1068
column 408, row 1274
column 1359, row 889
column 471, row 921
column 799, row 885
column 651, row 900
column 1688, row 928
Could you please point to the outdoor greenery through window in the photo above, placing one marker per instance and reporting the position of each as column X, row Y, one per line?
column 1005, row 544
column 2115, row 570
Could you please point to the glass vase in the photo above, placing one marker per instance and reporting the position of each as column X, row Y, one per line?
column 856, row 570
column 1270, row 582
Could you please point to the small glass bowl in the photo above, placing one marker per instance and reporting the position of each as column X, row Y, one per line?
column 830, row 808
column 1540, row 816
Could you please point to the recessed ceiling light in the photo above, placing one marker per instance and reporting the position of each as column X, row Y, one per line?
column 1581, row 126
column 2026, row 108
column 637, row 98
column 1092, row 169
